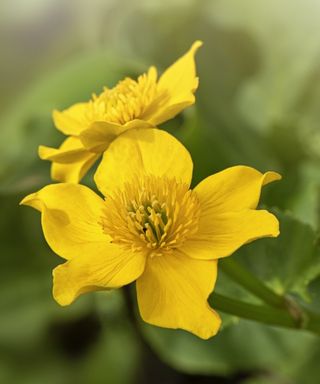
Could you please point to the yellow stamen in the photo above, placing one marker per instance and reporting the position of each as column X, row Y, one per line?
column 157, row 214
column 127, row 101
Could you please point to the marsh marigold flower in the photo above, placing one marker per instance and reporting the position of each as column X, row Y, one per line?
column 145, row 102
column 152, row 228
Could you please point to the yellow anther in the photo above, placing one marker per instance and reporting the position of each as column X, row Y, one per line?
column 153, row 213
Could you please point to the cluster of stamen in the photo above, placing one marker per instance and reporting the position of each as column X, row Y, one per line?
column 128, row 100
column 156, row 214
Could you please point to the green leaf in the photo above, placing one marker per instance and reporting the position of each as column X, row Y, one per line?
column 288, row 263
column 28, row 122
column 246, row 346
column 285, row 80
column 306, row 204
column 115, row 359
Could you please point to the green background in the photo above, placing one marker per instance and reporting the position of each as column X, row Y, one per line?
column 257, row 104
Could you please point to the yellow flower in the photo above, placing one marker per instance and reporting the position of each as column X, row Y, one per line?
column 152, row 228
column 144, row 103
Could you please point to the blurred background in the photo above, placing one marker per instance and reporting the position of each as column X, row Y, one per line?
column 257, row 104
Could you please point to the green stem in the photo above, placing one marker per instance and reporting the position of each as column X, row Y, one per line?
column 261, row 313
column 287, row 309
column 251, row 283
column 265, row 314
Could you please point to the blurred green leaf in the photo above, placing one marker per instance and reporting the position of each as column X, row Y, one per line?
column 306, row 203
column 28, row 123
column 116, row 357
column 288, row 263
column 280, row 30
column 246, row 346
column 266, row 379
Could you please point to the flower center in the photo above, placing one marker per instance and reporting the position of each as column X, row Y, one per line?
column 127, row 101
column 156, row 214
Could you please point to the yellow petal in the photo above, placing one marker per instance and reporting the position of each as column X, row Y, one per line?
column 180, row 77
column 158, row 114
column 70, row 162
column 71, row 219
column 140, row 152
column 233, row 189
column 112, row 267
column 221, row 234
column 70, row 151
column 178, row 82
column 227, row 216
column 72, row 120
column 152, row 74
column 136, row 123
column 173, row 293
column 73, row 172
column 100, row 134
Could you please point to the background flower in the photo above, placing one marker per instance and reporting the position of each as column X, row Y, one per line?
column 93, row 125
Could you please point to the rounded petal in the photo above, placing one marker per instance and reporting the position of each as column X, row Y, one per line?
column 71, row 150
column 136, row 123
column 222, row 234
column 71, row 121
column 70, row 162
column 140, row 152
column 234, row 189
column 173, row 292
column 158, row 114
column 73, row 172
column 178, row 83
column 112, row 267
column 71, row 219
column 100, row 134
